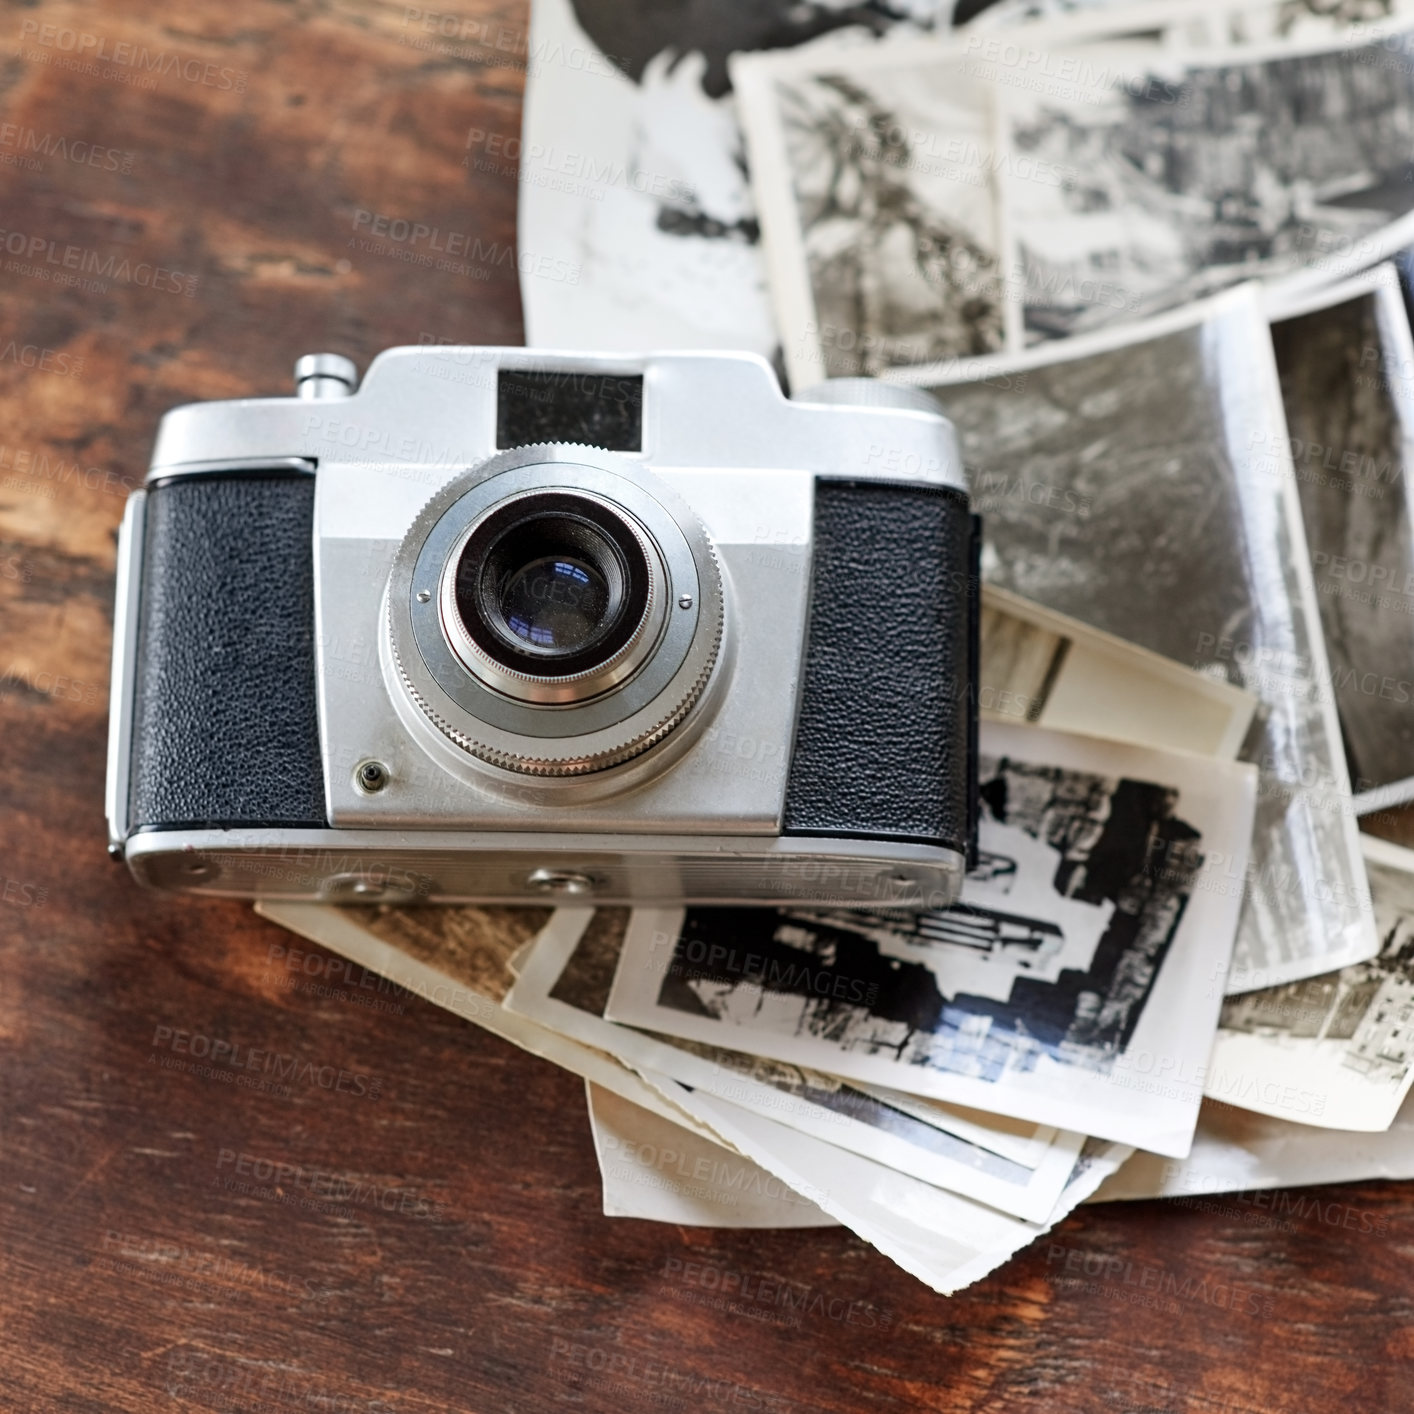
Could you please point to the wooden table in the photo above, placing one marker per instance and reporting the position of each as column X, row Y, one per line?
column 209, row 164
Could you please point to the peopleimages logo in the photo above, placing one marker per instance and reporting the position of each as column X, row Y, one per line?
column 20, row 465
column 743, row 1290
column 27, row 142
column 95, row 49
column 417, row 243
column 43, row 257
column 45, row 360
column 322, row 1186
column 274, row 1065
column 1078, row 1265
column 1188, row 1189
column 696, row 959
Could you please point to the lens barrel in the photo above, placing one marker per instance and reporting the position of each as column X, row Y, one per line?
column 554, row 596
column 552, row 584
column 555, row 611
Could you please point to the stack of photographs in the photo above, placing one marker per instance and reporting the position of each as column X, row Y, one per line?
column 980, row 194
column 1148, row 259
column 1172, row 436
column 947, row 1085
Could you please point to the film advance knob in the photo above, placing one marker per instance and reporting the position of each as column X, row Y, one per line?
column 325, row 375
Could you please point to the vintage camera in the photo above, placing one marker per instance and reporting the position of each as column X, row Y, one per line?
column 510, row 626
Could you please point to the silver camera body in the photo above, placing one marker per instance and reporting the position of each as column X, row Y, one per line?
column 559, row 628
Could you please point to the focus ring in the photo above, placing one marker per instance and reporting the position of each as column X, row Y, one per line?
column 566, row 766
column 550, row 739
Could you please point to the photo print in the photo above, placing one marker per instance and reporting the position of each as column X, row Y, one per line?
column 940, row 1238
column 1045, row 668
column 653, row 1169
column 875, row 173
column 1337, row 1050
column 1243, row 1152
column 902, row 251
column 1019, row 1140
column 1324, row 20
column 564, row 985
column 1195, row 174
column 1192, row 546
column 1346, row 362
column 933, row 1147
column 1081, row 955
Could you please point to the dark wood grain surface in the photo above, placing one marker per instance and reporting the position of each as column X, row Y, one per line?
column 209, row 163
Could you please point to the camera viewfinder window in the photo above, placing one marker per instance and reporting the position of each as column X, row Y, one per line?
column 602, row 409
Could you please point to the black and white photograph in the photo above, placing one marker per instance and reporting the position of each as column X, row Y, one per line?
column 565, row 977
column 1019, row 1140
column 876, row 179
column 944, row 1238
column 1346, row 1038
column 1193, row 547
column 1192, row 174
column 901, row 243
column 917, row 1144
column 1051, row 670
column 1346, row 362
column 632, row 168
column 1252, row 24
column 1077, row 946
column 630, row 164
column 1239, row 1155
column 940, row 199
column 657, row 1171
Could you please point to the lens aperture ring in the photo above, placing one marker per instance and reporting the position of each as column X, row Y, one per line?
column 552, row 764
column 562, row 736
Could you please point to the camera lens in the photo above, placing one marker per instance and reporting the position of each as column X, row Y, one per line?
column 552, row 585
column 554, row 611
column 556, row 604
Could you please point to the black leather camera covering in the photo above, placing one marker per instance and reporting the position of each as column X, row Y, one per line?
column 225, row 727
column 886, row 743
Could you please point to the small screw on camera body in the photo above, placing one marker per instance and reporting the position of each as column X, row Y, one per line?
column 370, row 777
